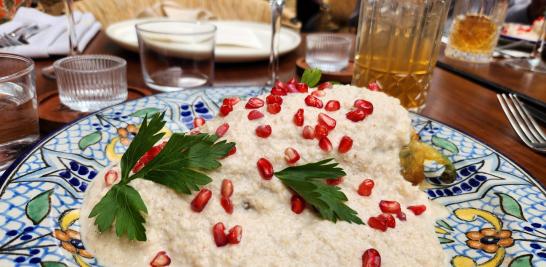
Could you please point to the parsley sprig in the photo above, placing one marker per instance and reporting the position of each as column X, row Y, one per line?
column 177, row 166
column 307, row 181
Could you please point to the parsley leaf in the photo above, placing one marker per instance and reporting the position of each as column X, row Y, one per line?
column 176, row 166
column 123, row 204
column 306, row 180
column 311, row 77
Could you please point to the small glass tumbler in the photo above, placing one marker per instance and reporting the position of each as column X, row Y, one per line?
column 176, row 55
column 91, row 82
column 475, row 29
column 18, row 106
column 328, row 52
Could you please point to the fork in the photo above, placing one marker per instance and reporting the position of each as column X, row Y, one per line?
column 522, row 122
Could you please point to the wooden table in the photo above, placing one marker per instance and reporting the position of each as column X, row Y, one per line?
column 452, row 100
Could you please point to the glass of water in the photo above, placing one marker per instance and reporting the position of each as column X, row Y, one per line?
column 18, row 106
column 328, row 52
column 91, row 82
column 175, row 55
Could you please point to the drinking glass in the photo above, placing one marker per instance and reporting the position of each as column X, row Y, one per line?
column 91, row 82
column 276, row 15
column 475, row 29
column 18, row 106
column 537, row 61
column 175, row 55
column 328, row 52
column 397, row 46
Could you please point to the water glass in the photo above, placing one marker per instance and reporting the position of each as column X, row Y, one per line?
column 175, row 55
column 18, row 106
column 397, row 46
column 475, row 29
column 91, row 82
column 328, row 52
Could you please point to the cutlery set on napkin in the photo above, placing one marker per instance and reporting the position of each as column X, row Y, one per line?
column 35, row 34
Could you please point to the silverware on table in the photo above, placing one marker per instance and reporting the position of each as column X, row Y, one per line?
column 20, row 35
column 522, row 122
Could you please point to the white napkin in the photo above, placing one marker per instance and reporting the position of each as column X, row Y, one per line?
column 53, row 36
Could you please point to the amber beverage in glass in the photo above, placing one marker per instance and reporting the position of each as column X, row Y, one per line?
column 475, row 29
column 397, row 46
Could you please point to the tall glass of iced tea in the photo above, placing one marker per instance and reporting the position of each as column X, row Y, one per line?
column 475, row 29
column 397, row 46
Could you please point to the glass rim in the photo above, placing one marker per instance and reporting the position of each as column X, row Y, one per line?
column 25, row 71
column 121, row 63
column 213, row 28
column 334, row 37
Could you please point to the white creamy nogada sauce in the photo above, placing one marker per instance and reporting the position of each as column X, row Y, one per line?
column 273, row 235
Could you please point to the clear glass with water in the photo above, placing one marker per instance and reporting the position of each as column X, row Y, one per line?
column 91, row 82
column 175, row 55
column 328, row 52
column 18, row 106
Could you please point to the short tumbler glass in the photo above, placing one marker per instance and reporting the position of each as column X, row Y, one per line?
column 328, row 52
column 18, row 107
column 175, row 55
column 91, row 82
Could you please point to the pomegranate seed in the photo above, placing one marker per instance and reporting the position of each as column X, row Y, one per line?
column 298, row 117
column 318, row 93
column 148, row 156
column 320, row 131
column 417, row 209
column 278, row 91
column 222, row 129
column 274, row 108
column 345, row 144
column 110, row 177
column 219, row 234
column 325, row 144
column 291, row 155
column 231, row 101
column 292, row 81
column 231, row 151
column 198, row 122
column 325, row 85
column 364, row 105
column 263, row 131
column 291, row 88
column 332, row 105
column 225, row 110
column 254, row 115
column 308, row 132
column 227, row 188
column 327, row 121
column 226, row 204
column 365, row 188
column 254, row 103
column 401, row 216
column 201, row 200
column 371, row 258
column 336, row 181
column 161, row 259
column 235, row 234
column 377, row 224
column 387, row 219
column 281, row 85
column 313, row 101
column 270, row 99
column 297, row 203
column 356, row 115
column 389, row 206
column 265, row 168
column 302, row 87
column 374, row 86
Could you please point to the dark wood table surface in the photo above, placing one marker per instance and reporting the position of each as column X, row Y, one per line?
column 453, row 100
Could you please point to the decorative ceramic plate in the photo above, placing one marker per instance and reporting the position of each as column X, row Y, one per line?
column 497, row 211
column 258, row 34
